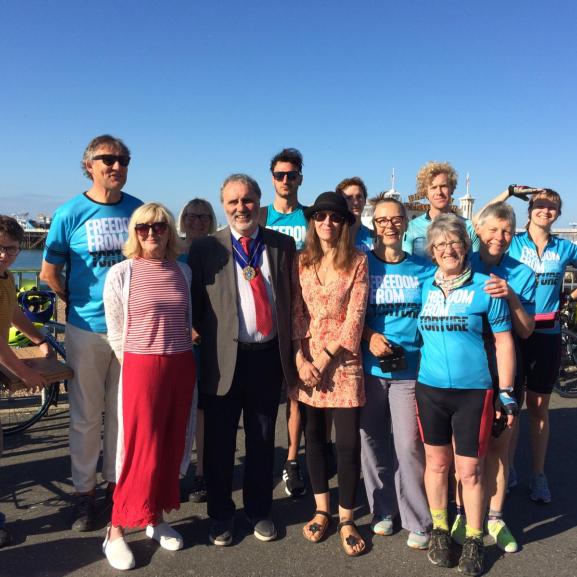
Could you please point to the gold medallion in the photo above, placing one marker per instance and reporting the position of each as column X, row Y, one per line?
column 248, row 273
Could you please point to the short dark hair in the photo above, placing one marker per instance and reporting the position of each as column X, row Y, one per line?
column 353, row 181
column 291, row 155
column 96, row 143
column 10, row 227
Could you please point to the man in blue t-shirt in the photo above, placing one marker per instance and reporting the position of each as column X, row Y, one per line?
column 437, row 181
column 355, row 193
column 285, row 214
column 85, row 239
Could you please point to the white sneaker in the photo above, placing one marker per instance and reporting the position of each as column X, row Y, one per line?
column 166, row 536
column 118, row 553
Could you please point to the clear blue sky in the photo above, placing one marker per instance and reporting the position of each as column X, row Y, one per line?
column 202, row 89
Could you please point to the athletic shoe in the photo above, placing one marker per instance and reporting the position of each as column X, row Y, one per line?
column 118, row 553
column 220, row 533
column 84, row 513
column 382, row 525
column 198, row 490
column 513, row 480
column 503, row 537
column 539, row 489
column 459, row 529
column 263, row 529
column 293, row 479
column 440, row 548
column 418, row 540
column 472, row 557
column 167, row 537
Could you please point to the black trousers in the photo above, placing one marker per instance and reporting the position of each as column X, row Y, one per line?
column 347, row 443
column 255, row 391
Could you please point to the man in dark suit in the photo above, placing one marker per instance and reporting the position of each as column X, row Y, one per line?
column 241, row 298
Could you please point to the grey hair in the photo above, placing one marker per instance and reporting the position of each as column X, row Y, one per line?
column 96, row 143
column 245, row 179
column 444, row 225
column 500, row 211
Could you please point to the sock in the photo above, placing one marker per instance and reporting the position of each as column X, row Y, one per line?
column 440, row 519
column 460, row 510
column 475, row 533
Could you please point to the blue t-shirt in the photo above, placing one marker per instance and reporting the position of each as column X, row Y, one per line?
column 518, row 276
column 293, row 223
column 88, row 237
column 453, row 355
column 364, row 239
column 415, row 239
column 393, row 308
column 549, row 271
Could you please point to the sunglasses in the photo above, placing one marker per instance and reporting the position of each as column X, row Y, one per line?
column 334, row 217
column 204, row 218
column 143, row 229
column 291, row 175
column 111, row 159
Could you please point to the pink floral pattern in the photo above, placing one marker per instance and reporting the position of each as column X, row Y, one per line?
column 334, row 312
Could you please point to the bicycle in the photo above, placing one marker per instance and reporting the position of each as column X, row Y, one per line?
column 22, row 409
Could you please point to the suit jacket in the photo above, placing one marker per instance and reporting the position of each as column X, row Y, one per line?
column 215, row 308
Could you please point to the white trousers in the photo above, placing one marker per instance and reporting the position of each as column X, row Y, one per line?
column 92, row 392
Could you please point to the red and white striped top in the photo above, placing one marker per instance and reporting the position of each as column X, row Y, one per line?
column 158, row 316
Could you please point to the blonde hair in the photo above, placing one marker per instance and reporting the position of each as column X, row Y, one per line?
column 312, row 252
column 432, row 169
column 549, row 194
column 152, row 212
column 200, row 203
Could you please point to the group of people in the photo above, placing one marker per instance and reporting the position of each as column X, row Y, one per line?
column 415, row 342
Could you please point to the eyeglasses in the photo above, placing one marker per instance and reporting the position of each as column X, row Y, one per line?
column 111, row 159
column 443, row 246
column 10, row 250
column 143, row 229
column 204, row 218
column 394, row 220
column 334, row 217
column 291, row 175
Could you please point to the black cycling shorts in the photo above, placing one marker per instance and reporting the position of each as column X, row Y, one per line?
column 541, row 361
column 463, row 414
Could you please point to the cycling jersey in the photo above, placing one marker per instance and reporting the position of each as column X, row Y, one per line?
column 292, row 223
column 364, row 239
column 549, row 271
column 518, row 276
column 393, row 308
column 416, row 236
column 453, row 353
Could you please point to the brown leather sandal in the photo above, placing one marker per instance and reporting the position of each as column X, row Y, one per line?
column 351, row 540
column 317, row 530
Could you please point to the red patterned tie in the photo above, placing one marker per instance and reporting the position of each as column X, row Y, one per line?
column 261, row 301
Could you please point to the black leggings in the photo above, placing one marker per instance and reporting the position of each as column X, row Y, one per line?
column 348, row 445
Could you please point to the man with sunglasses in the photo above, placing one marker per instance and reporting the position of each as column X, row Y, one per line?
column 241, row 295
column 85, row 239
column 286, row 215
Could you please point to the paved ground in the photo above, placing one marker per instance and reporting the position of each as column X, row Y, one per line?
column 35, row 488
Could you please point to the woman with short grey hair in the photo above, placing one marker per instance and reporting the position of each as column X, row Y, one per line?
column 454, row 389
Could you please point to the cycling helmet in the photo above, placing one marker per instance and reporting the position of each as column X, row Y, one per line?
column 37, row 305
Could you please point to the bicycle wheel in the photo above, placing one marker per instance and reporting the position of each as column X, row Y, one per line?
column 568, row 348
column 22, row 409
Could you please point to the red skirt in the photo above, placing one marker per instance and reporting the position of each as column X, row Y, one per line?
column 156, row 403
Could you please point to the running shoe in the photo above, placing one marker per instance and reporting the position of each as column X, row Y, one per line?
column 498, row 529
column 472, row 557
column 382, row 525
column 198, row 492
column 293, row 479
column 440, row 548
column 539, row 489
column 459, row 529
column 418, row 540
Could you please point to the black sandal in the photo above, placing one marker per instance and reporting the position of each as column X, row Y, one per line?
column 349, row 542
column 317, row 528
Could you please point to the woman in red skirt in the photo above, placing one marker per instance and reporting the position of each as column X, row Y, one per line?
column 147, row 304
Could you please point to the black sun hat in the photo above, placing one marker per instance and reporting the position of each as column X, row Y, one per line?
column 333, row 202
